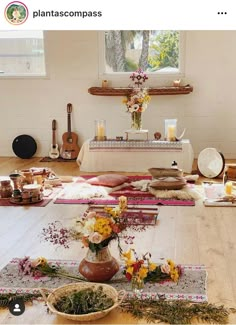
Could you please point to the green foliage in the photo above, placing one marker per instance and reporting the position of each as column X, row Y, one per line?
column 176, row 312
column 84, row 302
column 160, row 49
column 164, row 51
column 130, row 65
column 6, row 298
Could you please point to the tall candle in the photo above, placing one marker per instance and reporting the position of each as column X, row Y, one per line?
column 171, row 132
column 228, row 188
column 101, row 131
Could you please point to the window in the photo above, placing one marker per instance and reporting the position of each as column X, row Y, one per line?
column 22, row 53
column 156, row 52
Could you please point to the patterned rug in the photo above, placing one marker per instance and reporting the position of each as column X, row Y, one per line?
column 135, row 196
column 191, row 285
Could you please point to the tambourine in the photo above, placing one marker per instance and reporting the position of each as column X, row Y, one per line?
column 211, row 163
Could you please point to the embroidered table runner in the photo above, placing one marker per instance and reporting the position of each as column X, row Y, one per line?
column 135, row 145
column 191, row 285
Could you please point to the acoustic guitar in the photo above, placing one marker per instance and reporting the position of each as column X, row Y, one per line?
column 70, row 148
column 54, row 151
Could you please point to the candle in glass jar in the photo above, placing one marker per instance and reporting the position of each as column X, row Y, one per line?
column 100, row 130
column 228, row 188
column 171, row 133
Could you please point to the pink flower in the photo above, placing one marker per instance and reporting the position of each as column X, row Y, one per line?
column 91, row 214
column 165, row 268
column 95, row 238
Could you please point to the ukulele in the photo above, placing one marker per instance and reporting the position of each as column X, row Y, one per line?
column 54, row 151
column 70, row 148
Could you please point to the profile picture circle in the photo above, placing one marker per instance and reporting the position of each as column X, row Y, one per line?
column 16, row 13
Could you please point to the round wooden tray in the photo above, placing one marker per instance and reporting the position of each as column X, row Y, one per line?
column 25, row 203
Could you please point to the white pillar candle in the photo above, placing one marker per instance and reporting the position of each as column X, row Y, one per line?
column 171, row 133
column 100, row 130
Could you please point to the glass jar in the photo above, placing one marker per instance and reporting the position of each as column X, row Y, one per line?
column 6, row 189
column 137, row 284
column 170, row 129
column 100, row 130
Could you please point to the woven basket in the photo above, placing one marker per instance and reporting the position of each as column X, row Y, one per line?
column 55, row 295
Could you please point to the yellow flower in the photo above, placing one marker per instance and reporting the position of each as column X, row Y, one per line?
column 106, row 231
column 123, row 203
column 143, row 271
column 171, row 263
column 152, row 266
column 102, row 226
column 108, row 209
column 174, row 274
column 124, row 100
column 127, row 254
column 130, row 270
column 147, row 98
column 113, row 212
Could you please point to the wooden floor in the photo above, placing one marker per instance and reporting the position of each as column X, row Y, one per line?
column 188, row 235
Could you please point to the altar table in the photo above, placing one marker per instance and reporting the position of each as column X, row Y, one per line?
column 134, row 155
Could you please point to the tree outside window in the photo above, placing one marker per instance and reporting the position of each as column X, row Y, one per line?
column 152, row 51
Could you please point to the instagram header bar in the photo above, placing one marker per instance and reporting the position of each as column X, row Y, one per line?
column 103, row 14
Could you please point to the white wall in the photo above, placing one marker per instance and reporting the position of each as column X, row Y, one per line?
column 27, row 106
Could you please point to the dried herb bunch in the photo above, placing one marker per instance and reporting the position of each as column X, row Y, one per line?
column 84, row 302
column 6, row 298
column 176, row 312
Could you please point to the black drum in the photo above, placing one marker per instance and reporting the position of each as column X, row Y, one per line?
column 24, row 146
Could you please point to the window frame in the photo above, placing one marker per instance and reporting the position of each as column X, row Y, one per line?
column 154, row 78
column 33, row 75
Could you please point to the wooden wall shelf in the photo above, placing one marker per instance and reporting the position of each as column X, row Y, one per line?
column 109, row 91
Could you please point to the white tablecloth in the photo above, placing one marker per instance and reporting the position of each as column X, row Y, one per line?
column 139, row 160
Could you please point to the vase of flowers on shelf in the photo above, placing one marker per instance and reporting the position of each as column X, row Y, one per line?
column 137, row 99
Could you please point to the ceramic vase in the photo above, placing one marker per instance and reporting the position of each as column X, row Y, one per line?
column 99, row 266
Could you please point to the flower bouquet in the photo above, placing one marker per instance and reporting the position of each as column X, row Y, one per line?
column 137, row 100
column 141, row 270
column 94, row 230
